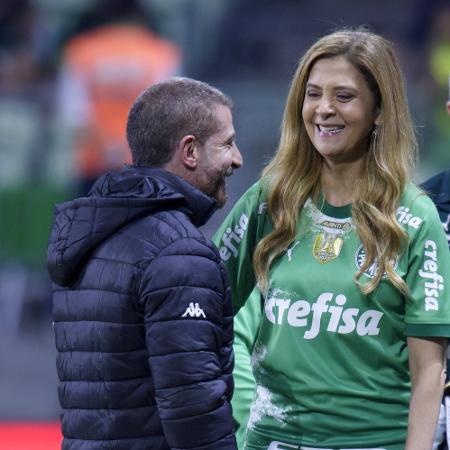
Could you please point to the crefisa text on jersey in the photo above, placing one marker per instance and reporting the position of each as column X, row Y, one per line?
column 232, row 238
column 434, row 282
column 341, row 320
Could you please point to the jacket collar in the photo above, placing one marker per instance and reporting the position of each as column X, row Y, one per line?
column 199, row 206
column 116, row 199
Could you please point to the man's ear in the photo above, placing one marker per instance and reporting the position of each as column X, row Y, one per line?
column 188, row 152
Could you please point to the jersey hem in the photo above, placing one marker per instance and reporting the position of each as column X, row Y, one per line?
column 427, row 330
column 261, row 440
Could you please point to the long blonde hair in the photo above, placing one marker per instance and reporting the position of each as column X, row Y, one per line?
column 294, row 173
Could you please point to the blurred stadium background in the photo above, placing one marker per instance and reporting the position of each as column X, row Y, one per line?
column 48, row 106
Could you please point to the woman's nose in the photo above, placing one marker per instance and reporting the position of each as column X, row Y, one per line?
column 325, row 107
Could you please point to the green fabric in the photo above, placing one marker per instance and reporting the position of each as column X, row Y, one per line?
column 246, row 326
column 236, row 240
column 331, row 364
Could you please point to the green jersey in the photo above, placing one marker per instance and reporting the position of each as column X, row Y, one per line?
column 330, row 363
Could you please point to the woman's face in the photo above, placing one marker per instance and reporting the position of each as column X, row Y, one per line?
column 339, row 110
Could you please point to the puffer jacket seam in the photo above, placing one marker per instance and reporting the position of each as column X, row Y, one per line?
column 64, row 240
column 183, row 286
column 112, row 291
column 187, row 238
column 116, row 439
column 66, row 380
column 99, row 321
column 149, row 263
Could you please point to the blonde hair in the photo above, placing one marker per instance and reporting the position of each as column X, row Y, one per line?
column 294, row 173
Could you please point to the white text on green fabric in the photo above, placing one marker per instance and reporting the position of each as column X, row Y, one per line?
column 434, row 282
column 340, row 320
column 232, row 238
column 405, row 216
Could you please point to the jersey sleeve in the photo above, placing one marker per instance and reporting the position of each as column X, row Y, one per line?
column 427, row 309
column 236, row 240
column 246, row 327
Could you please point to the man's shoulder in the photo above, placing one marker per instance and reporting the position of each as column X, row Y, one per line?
column 169, row 223
column 438, row 188
column 165, row 230
column 438, row 184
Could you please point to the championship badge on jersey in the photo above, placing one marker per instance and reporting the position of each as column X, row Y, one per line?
column 327, row 246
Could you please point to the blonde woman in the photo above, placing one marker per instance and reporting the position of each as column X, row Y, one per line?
column 350, row 260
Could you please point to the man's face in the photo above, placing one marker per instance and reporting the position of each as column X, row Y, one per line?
column 219, row 155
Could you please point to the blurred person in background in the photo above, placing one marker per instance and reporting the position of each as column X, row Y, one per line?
column 142, row 309
column 348, row 265
column 113, row 56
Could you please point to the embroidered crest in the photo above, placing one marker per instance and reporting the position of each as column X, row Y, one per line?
column 327, row 246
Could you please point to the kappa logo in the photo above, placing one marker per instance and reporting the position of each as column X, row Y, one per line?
column 194, row 310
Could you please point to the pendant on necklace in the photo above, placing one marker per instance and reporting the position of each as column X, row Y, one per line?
column 327, row 246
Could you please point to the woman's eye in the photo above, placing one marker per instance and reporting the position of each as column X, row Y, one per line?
column 344, row 97
column 312, row 94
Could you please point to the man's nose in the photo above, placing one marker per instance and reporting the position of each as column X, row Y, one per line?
column 237, row 160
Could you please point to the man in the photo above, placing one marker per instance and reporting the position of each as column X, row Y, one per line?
column 142, row 309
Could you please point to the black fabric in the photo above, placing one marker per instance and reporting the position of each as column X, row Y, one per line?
column 438, row 188
column 142, row 317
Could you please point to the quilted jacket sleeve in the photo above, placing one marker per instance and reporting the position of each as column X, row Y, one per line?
column 188, row 325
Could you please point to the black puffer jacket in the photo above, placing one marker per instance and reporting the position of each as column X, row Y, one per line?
column 438, row 188
column 143, row 318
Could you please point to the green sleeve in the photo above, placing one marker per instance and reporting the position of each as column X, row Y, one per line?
column 427, row 311
column 236, row 240
column 246, row 326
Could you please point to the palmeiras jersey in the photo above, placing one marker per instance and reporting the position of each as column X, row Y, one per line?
column 330, row 363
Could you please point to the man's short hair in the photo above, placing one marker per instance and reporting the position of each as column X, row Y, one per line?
column 166, row 112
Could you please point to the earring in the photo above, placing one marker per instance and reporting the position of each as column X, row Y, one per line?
column 374, row 133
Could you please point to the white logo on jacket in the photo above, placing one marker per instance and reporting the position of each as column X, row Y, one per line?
column 194, row 310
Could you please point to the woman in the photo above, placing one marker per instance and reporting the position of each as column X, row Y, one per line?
column 350, row 260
